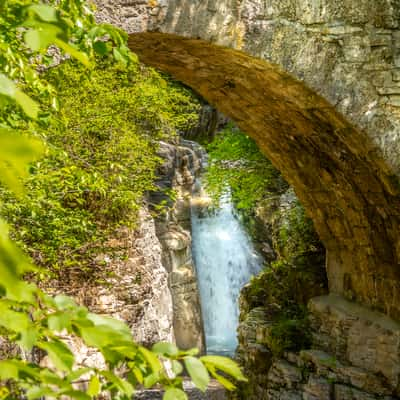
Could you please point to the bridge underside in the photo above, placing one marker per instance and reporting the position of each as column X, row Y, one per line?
column 339, row 176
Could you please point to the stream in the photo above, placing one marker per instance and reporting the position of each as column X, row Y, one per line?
column 225, row 260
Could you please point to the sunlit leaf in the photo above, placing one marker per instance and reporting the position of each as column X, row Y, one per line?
column 59, row 353
column 38, row 392
column 17, row 152
column 10, row 90
column 176, row 367
column 30, row 107
column 226, row 365
column 197, row 372
column 122, row 385
column 222, row 380
column 151, row 358
column 72, row 51
column 7, row 86
column 94, row 387
column 174, row 394
column 165, row 348
column 44, row 12
column 150, row 380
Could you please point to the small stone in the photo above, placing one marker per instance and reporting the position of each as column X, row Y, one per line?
column 342, row 392
column 284, row 374
column 317, row 388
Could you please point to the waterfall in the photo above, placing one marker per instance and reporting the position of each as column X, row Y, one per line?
column 225, row 260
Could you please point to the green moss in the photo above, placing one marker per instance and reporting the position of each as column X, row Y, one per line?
column 289, row 335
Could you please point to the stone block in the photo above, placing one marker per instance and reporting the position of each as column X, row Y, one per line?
column 394, row 100
column 356, row 49
column 283, row 374
column 396, row 75
column 366, row 339
column 342, row 392
column 283, row 395
column 317, row 388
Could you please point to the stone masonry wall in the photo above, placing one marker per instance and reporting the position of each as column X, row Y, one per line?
column 354, row 356
column 348, row 51
column 342, row 169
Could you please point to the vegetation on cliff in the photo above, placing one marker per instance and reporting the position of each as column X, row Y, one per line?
column 100, row 160
column 236, row 164
column 73, row 175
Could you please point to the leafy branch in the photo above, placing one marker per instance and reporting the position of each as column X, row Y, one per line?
column 28, row 317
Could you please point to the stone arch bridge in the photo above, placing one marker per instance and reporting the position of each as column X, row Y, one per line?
column 317, row 84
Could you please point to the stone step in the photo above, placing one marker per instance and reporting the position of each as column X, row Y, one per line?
column 214, row 392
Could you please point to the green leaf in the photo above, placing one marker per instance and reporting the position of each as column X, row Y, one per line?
column 177, row 368
column 152, row 359
column 119, row 383
column 77, row 374
column 13, row 320
column 138, row 373
column 64, row 302
column 30, row 107
column 41, row 37
column 59, row 321
column 174, row 394
column 11, row 369
column 100, row 48
column 75, row 394
column 119, row 56
column 73, row 52
column 165, row 348
column 44, row 12
column 7, row 87
column 60, row 354
column 150, row 380
column 8, row 370
column 17, row 152
column 37, row 392
column 190, row 352
column 197, row 372
column 112, row 323
column 222, row 380
column 224, row 364
column 28, row 338
column 94, row 387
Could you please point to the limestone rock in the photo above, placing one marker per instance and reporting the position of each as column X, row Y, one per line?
column 136, row 291
column 317, row 389
column 366, row 339
column 283, row 374
column 182, row 164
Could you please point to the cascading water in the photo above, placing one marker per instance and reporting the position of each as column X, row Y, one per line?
column 225, row 260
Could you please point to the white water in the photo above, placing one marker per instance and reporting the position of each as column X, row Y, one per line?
column 225, row 260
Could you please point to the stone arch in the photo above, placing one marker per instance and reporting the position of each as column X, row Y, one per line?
column 339, row 175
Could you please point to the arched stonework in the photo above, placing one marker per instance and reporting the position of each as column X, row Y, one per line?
column 345, row 185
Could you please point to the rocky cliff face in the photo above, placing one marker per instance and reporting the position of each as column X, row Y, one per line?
column 133, row 288
column 182, row 165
